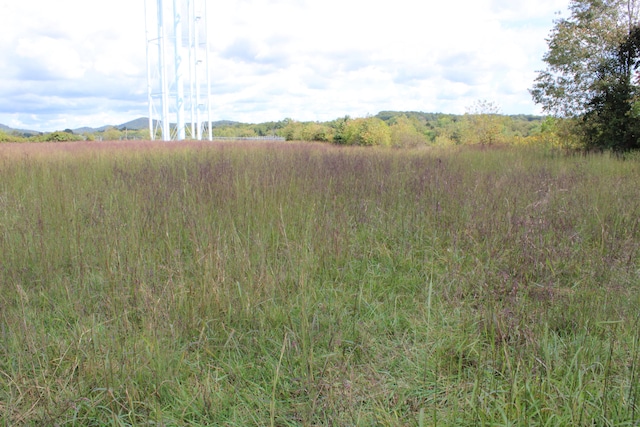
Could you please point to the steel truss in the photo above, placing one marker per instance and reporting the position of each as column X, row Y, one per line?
column 178, row 72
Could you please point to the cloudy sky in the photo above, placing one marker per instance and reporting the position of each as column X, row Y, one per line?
column 72, row 63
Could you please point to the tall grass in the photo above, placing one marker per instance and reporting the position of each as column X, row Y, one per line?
column 290, row 284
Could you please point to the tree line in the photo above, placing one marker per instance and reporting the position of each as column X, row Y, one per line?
column 411, row 129
column 482, row 124
column 109, row 134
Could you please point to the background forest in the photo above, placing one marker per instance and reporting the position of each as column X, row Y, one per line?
column 482, row 125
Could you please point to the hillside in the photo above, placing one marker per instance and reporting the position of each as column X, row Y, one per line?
column 22, row 132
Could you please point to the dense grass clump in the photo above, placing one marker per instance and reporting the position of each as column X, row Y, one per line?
column 296, row 284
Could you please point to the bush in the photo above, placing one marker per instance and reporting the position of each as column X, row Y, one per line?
column 61, row 136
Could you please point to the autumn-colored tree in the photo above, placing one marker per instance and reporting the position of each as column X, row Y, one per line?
column 365, row 131
column 486, row 125
column 404, row 133
column 307, row 131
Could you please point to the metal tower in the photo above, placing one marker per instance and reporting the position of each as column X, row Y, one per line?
column 178, row 74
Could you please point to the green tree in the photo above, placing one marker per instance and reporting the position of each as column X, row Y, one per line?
column 590, row 63
column 292, row 131
column 578, row 48
column 61, row 136
column 339, row 130
column 612, row 118
column 314, row 131
column 448, row 130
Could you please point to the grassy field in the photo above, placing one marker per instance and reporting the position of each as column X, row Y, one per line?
column 284, row 284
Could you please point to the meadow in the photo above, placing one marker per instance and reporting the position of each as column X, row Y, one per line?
column 298, row 284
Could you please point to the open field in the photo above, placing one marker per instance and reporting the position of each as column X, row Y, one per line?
column 291, row 284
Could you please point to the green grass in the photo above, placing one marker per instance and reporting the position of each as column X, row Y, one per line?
column 297, row 284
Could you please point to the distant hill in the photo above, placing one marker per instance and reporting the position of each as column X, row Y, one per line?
column 84, row 130
column 137, row 124
column 222, row 123
column 142, row 123
column 23, row 132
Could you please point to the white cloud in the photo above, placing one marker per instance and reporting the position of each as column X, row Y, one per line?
column 72, row 63
column 47, row 58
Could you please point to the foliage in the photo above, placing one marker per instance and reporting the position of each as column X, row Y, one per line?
column 60, row 136
column 405, row 129
column 590, row 63
column 307, row 131
column 112, row 134
column 422, row 122
column 612, row 121
column 269, row 128
column 579, row 47
column 486, row 125
column 309, row 284
column 440, row 129
column 448, row 130
column 405, row 132
column 245, row 130
column 13, row 136
column 4, row 137
column 237, row 130
column 368, row 131
column 555, row 133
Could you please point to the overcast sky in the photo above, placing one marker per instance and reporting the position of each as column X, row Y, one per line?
column 71, row 63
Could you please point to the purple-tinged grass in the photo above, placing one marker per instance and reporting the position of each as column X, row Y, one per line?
column 303, row 284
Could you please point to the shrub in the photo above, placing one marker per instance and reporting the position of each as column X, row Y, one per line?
column 61, row 136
